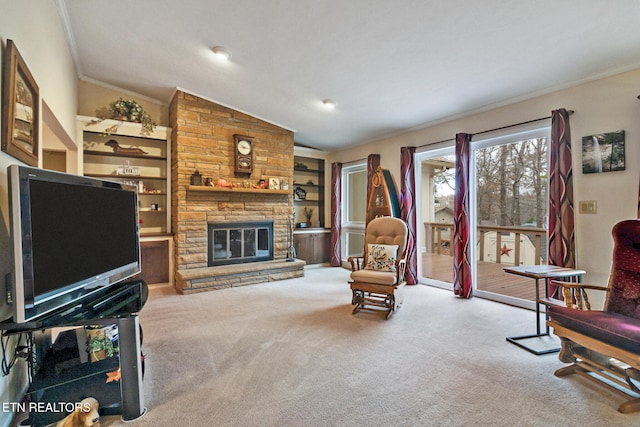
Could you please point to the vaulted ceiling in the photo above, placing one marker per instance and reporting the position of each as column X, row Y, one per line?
column 390, row 65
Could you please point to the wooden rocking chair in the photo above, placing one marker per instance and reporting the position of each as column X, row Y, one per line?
column 604, row 345
column 378, row 275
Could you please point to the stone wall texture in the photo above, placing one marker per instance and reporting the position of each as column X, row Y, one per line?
column 202, row 139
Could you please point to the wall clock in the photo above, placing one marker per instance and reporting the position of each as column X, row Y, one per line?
column 243, row 148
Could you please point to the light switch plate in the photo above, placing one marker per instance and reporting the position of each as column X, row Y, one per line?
column 588, row 207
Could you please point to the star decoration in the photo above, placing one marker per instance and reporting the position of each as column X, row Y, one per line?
column 113, row 376
column 504, row 250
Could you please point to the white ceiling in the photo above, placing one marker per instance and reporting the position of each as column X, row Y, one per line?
column 390, row 65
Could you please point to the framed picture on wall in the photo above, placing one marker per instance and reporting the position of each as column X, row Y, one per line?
column 603, row 152
column 20, row 108
column 274, row 183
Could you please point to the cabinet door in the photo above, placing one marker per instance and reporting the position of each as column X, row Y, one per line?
column 304, row 246
column 323, row 245
column 313, row 247
column 155, row 261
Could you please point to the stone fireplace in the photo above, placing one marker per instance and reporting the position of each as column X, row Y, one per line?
column 202, row 140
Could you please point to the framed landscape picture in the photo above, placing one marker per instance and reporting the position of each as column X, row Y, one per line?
column 603, row 152
column 20, row 108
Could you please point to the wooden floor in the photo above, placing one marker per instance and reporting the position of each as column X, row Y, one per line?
column 491, row 277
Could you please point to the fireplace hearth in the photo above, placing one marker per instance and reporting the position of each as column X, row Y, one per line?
column 239, row 242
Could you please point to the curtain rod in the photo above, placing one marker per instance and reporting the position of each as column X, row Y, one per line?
column 495, row 129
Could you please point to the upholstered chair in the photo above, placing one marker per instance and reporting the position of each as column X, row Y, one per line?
column 378, row 275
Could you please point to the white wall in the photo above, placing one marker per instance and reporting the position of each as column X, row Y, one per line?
column 36, row 29
column 604, row 105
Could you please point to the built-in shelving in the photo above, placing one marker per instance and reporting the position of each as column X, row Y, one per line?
column 143, row 160
column 308, row 191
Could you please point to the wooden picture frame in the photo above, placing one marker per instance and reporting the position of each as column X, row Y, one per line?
column 20, row 108
column 274, row 183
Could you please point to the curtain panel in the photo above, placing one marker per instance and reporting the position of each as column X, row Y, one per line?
column 336, row 214
column 461, row 226
column 561, row 213
column 408, row 209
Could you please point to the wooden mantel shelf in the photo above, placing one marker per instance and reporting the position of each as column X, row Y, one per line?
column 207, row 189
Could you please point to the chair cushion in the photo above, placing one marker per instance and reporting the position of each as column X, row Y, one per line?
column 376, row 277
column 613, row 328
column 381, row 257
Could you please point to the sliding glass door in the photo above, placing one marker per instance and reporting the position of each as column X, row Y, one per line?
column 435, row 179
column 509, row 176
column 509, row 188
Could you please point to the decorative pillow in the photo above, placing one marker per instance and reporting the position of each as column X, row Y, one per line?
column 381, row 257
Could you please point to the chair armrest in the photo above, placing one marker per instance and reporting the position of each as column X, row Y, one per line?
column 576, row 293
column 357, row 262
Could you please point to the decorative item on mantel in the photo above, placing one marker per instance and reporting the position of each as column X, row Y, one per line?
column 127, row 110
column 196, row 178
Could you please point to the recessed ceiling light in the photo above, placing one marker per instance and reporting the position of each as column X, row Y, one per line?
column 329, row 103
column 221, row 53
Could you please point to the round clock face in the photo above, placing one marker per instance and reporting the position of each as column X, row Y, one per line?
column 244, row 147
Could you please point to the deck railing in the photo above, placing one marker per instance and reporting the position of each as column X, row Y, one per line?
column 439, row 236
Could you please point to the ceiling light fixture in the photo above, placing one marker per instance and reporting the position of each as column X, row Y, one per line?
column 221, row 53
column 329, row 103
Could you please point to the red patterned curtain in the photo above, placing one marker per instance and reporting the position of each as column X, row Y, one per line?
column 561, row 217
column 461, row 226
column 336, row 214
column 562, row 248
column 408, row 209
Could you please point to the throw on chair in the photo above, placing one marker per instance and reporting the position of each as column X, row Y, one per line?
column 378, row 276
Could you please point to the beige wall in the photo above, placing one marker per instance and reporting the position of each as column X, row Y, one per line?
column 35, row 28
column 604, row 105
column 94, row 97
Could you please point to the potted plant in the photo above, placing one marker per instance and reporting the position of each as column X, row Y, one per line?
column 308, row 213
column 100, row 347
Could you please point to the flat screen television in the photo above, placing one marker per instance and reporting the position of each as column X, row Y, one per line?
column 71, row 236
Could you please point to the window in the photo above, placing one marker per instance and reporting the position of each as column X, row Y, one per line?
column 354, row 208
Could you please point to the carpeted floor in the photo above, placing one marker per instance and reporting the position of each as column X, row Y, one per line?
column 290, row 353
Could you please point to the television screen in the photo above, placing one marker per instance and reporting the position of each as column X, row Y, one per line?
column 71, row 235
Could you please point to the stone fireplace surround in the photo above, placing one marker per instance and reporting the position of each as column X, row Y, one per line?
column 202, row 139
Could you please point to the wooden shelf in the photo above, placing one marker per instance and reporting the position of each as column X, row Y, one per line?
column 129, row 155
column 205, row 189
column 127, row 177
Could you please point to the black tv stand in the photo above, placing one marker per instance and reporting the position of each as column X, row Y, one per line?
column 118, row 304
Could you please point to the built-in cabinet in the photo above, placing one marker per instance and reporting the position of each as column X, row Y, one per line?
column 313, row 245
column 122, row 152
column 311, row 240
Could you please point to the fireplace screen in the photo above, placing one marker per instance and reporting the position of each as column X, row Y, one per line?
column 238, row 242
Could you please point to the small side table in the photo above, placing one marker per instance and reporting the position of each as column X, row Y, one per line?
column 545, row 272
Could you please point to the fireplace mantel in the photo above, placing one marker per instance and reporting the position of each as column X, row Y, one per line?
column 206, row 189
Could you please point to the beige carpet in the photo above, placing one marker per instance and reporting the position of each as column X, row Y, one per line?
column 290, row 353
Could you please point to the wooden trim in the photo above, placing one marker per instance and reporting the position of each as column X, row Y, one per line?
column 205, row 189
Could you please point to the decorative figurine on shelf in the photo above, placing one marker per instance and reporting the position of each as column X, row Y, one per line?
column 300, row 193
column 85, row 414
column 262, row 184
column 115, row 146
